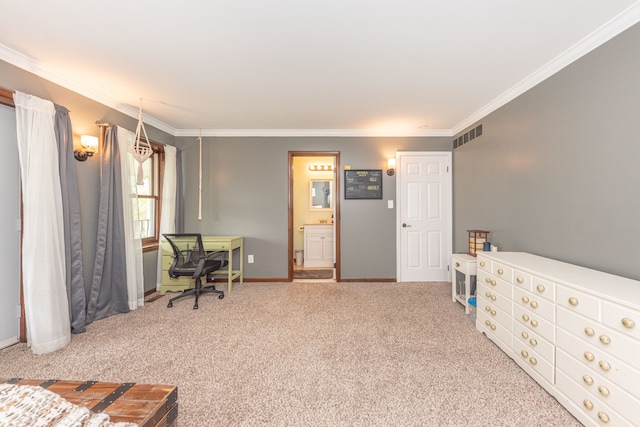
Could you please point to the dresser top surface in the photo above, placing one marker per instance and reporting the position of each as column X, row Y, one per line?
column 603, row 284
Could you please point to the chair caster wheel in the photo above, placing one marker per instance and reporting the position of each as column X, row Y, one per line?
column 170, row 305
column 195, row 307
column 221, row 296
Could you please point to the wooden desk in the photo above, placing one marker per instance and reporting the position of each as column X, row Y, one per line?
column 211, row 243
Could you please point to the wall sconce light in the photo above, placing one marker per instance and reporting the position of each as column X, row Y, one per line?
column 391, row 166
column 320, row 168
column 89, row 146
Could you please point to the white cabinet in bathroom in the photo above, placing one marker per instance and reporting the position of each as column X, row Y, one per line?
column 318, row 245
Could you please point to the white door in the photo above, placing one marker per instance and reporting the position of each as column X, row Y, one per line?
column 9, row 230
column 424, row 218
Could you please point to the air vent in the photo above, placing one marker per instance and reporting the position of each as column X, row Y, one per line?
column 468, row 136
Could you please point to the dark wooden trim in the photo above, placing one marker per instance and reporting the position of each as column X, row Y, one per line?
column 6, row 98
column 336, row 209
column 369, row 280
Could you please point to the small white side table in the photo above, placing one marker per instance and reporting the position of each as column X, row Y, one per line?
column 463, row 265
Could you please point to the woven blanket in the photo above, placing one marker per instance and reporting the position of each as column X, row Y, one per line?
column 31, row 406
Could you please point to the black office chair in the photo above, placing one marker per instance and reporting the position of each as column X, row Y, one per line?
column 190, row 259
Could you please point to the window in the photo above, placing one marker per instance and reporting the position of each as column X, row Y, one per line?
column 147, row 219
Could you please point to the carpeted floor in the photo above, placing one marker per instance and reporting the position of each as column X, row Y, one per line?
column 308, row 354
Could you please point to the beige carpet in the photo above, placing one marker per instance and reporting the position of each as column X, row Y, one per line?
column 308, row 354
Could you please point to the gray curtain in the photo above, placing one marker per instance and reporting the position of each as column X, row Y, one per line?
column 108, row 294
column 72, row 224
column 179, row 194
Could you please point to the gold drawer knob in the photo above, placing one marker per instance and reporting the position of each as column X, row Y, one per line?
column 628, row 323
column 605, row 366
column 525, row 317
column 488, row 323
column 603, row 391
column 587, row 404
column 493, row 327
column 589, row 356
column 488, row 280
column 525, row 299
column 500, row 271
column 533, row 361
column 590, row 332
column 493, row 297
column 587, row 380
column 493, row 312
column 520, row 279
column 457, row 264
column 603, row 417
column 487, row 308
column 534, row 323
column 488, row 294
column 482, row 264
column 533, row 342
column 605, row 340
column 524, row 354
column 573, row 301
column 540, row 288
column 525, row 335
column 493, row 282
column 534, row 304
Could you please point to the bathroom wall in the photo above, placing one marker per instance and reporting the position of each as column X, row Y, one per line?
column 302, row 213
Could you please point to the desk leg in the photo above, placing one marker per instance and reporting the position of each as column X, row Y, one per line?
column 230, row 271
column 241, row 264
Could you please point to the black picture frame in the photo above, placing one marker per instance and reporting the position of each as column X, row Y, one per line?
column 362, row 184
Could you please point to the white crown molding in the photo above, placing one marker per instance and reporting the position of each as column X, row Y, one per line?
column 311, row 133
column 606, row 32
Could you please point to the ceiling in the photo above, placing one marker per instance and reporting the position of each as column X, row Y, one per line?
column 306, row 67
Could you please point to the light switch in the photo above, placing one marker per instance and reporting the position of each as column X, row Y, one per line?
column 390, row 204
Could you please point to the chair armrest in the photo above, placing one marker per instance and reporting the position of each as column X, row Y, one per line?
column 199, row 268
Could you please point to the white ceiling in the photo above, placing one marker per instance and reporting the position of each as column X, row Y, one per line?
column 306, row 67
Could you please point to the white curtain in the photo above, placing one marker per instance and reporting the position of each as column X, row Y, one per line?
column 133, row 242
column 43, row 250
column 168, row 219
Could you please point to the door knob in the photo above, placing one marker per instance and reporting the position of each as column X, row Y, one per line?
column 405, row 225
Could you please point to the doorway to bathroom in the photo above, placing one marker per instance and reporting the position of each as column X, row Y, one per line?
column 314, row 216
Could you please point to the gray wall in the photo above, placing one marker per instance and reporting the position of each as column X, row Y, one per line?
column 245, row 192
column 557, row 172
column 84, row 113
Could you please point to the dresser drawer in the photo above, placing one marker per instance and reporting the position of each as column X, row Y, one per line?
column 578, row 302
column 496, row 284
column 522, row 279
column 537, row 305
column 534, row 341
column 534, row 322
column 596, row 411
column 603, row 338
column 502, row 271
column 543, row 288
column 599, row 387
column 497, row 332
column 610, row 368
column 483, row 264
column 531, row 359
column 622, row 319
column 488, row 296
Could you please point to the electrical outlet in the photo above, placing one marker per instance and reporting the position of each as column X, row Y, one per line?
column 390, row 204
column 250, row 259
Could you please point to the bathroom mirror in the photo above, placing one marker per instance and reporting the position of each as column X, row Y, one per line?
column 321, row 194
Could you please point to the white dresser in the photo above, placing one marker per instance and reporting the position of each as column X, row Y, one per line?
column 576, row 331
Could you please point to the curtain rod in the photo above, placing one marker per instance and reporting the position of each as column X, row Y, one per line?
column 100, row 124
